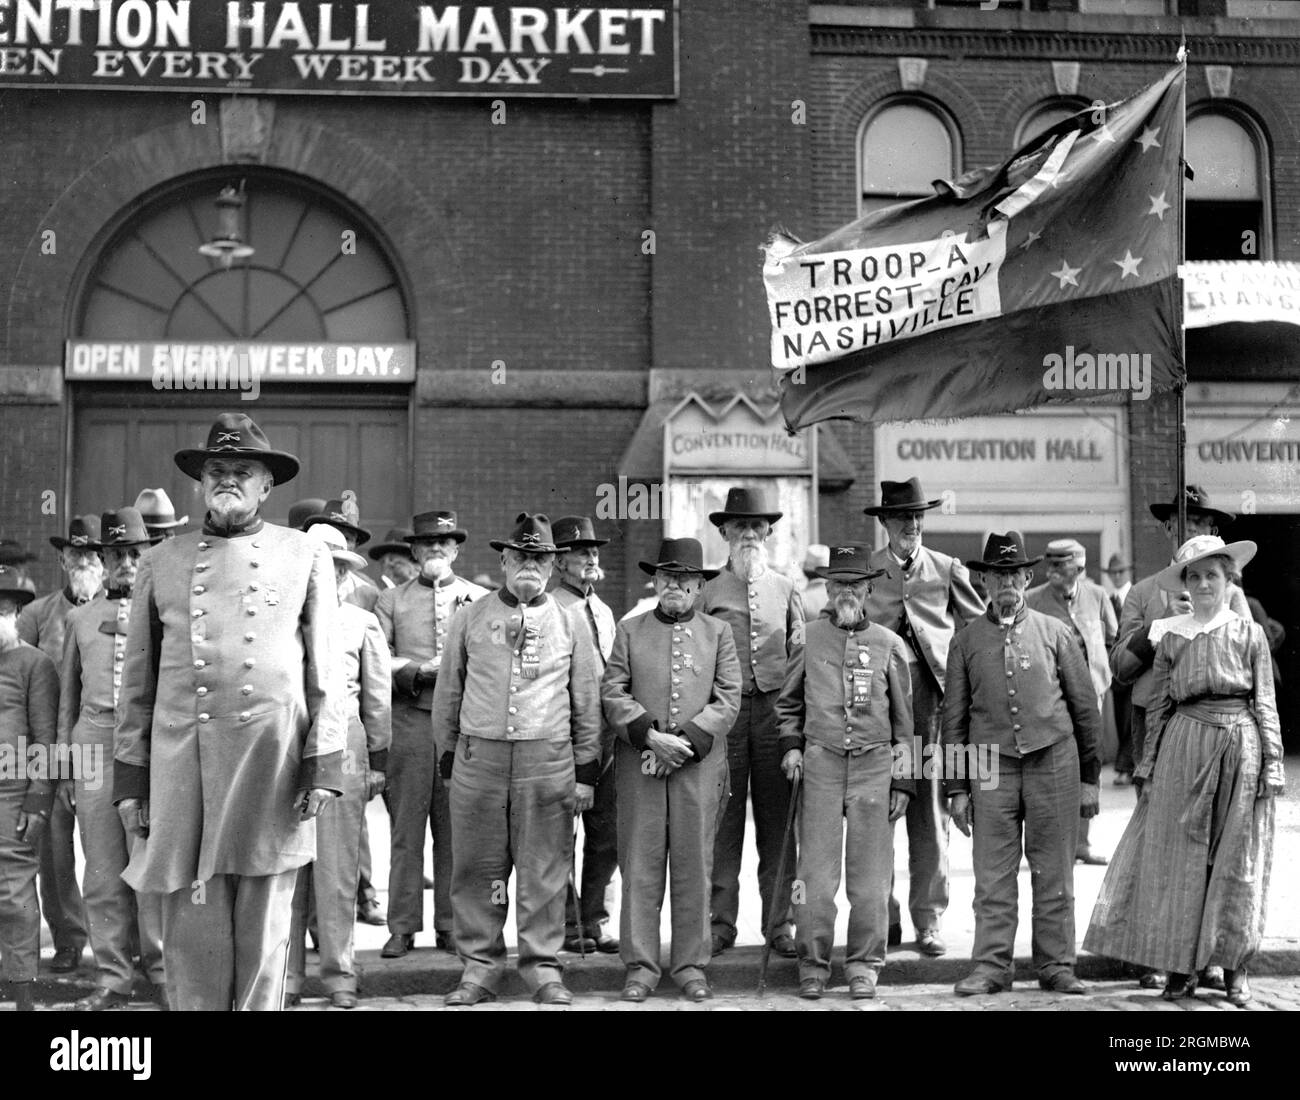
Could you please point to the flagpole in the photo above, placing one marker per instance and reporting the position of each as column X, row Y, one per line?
column 1181, row 389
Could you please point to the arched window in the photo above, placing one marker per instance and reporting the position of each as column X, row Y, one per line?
column 1043, row 116
column 1227, row 202
column 904, row 146
column 317, row 271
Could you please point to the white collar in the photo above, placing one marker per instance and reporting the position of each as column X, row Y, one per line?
column 916, row 554
column 1187, row 626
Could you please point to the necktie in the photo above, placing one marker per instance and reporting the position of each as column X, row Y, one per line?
column 907, row 562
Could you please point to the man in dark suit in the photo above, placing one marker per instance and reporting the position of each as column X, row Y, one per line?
column 924, row 597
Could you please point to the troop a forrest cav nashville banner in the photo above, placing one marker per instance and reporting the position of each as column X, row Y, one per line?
column 390, row 47
column 1050, row 278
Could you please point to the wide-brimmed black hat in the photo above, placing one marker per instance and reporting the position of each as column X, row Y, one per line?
column 436, row 525
column 850, row 563
column 1198, row 500
column 397, row 541
column 301, row 510
column 1004, row 552
column 13, row 554
column 123, row 527
column 901, row 496
column 234, row 435
column 9, row 589
column 575, row 532
column 83, row 532
column 342, row 514
column 744, row 503
column 155, row 508
column 532, row 535
column 680, row 556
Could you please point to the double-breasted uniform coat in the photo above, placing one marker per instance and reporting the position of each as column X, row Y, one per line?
column 232, row 701
column 94, row 657
column 678, row 674
column 925, row 605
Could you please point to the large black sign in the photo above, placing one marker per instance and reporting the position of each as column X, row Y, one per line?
column 390, row 47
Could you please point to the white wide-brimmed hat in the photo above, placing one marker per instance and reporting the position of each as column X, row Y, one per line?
column 1197, row 549
column 337, row 545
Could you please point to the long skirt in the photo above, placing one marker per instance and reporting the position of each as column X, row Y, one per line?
column 1188, row 885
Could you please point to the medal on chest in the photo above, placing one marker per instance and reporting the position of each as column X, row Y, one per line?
column 530, row 653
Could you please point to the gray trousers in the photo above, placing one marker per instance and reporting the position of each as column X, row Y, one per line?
column 60, row 898
column 417, row 799
column 926, row 819
column 116, row 916
column 226, row 943
column 599, row 859
column 20, row 915
column 511, row 810
column 1036, row 802
column 666, row 834
column 754, row 762
column 844, row 808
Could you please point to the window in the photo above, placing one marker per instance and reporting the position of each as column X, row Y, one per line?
column 316, row 273
column 905, row 146
column 1044, row 116
column 1226, row 207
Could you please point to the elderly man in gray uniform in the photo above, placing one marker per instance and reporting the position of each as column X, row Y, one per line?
column 1018, row 686
column 516, row 712
column 846, row 716
column 43, row 624
column 671, row 692
column 1085, row 608
column 230, row 727
column 924, row 597
column 416, row 619
column 94, row 654
column 29, row 708
column 765, row 614
column 578, row 567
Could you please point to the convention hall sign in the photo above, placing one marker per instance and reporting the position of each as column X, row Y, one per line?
column 393, row 47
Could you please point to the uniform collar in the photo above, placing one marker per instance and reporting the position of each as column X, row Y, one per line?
column 511, row 600
column 423, row 580
column 67, row 595
column 234, row 531
column 119, row 593
column 584, row 593
column 828, row 613
column 667, row 617
column 991, row 613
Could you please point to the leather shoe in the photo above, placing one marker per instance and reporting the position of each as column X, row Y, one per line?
column 606, row 944
column 1213, row 977
column 1179, row 987
column 811, row 989
column 929, row 942
column 66, row 959
column 443, row 942
column 974, row 984
column 102, row 1000
column 580, row 945
column 467, row 994
column 398, row 944
column 784, row 946
column 1122, row 779
column 553, row 993
column 292, row 1000
column 371, row 912
column 1062, row 981
column 1093, row 859
column 22, row 995
column 697, row 989
column 895, row 936
column 720, row 943
column 343, row 998
column 1238, row 986
column 862, row 987
column 636, row 992
column 1153, row 979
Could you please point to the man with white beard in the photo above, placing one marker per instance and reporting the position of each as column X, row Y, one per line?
column 415, row 618
column 765, row 614
column 845, row 711
column 43, row 623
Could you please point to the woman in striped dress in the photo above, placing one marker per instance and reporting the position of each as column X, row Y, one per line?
column 1188, row 885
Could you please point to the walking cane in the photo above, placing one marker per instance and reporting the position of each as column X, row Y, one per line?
column 780, row 877
column 577, row 900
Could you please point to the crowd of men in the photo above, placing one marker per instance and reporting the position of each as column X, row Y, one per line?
column 251, row 690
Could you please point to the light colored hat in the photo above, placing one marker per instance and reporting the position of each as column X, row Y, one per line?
column 817, row 556
column 337, row 545
column 155, row 507
column 1066, row 550
column 1199, row 548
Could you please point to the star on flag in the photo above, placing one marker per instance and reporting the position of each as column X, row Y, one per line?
column 1067, row 274
column 1148, row 138
column 1128, row 265
column 1158, row 205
